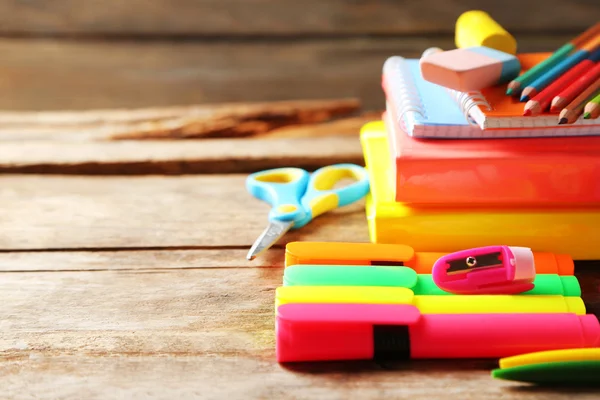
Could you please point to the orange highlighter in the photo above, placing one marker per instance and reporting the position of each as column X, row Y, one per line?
column 343, row 253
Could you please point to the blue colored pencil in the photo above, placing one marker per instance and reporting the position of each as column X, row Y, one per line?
column 550, row 76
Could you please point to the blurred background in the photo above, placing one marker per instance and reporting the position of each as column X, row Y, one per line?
column 78, row 54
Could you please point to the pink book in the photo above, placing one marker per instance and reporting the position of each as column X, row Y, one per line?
column 521, row 172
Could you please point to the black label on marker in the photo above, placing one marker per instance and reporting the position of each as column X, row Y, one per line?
column 391, row 342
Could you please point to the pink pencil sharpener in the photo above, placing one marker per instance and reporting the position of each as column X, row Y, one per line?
column 486, row 270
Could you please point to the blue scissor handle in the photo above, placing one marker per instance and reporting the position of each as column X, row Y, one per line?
column 297, row 197
column 321, row 196
column 283, row 189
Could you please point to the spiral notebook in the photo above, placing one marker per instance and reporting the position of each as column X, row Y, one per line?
column 426, row 110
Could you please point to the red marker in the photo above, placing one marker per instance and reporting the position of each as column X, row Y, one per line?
column 322, row 332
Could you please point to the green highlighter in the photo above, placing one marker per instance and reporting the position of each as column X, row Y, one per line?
column 585, row 372
column 420, row 284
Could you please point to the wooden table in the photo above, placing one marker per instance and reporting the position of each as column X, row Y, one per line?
column 121, row 281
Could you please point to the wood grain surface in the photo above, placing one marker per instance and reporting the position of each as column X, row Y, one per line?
column 155, row 333
column 178, row 157
column 115, row 285
column 223, row 138
column 51, row 74
column 283, row 17
column 151, row 323
column 58, row 212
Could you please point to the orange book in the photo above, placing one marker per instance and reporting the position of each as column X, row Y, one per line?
column 562, row 171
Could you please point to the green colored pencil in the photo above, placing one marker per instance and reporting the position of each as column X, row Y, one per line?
column 592, row 108
column 586, row 372
column 516, row 85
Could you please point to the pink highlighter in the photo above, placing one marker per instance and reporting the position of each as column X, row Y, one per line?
column 329, row 332
column 486, row 270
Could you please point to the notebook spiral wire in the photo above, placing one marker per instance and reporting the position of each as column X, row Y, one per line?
column 404, row 94
column 468, row 100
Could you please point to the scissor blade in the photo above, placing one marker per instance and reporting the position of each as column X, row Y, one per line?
column 268, row 238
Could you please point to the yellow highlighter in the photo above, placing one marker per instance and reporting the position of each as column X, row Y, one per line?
column 456, row 304
column 563, row 355
column 553, row 367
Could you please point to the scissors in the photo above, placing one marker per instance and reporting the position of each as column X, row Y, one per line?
column 297, row 197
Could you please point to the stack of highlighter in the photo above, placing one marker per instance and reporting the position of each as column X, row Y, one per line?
column 481, row 145
column 348, row 307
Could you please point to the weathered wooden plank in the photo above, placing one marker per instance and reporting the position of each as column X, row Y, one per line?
column 240, row 376
column 121, row 330
column 59, row 74
column 270, row 17
column 178, row 157
column 191, row 122
column 206, row 311
column 50, row 212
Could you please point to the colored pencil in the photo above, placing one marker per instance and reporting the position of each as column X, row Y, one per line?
column 514, row 87
column 592, row 108
column 542, row 100
column 569, row 93
column 546, row 79
column 571, row 112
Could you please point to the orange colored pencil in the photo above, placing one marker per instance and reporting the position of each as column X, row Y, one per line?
column 514, row 87
column 571, row 112
column 587, row 51
column 587, row 35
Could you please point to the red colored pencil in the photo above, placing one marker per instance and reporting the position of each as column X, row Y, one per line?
column 572, row 91
column 573, row 110
column 516, row 85
column 542, row 100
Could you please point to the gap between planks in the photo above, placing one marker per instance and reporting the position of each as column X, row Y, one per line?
column 135, row 260
column 70, row 212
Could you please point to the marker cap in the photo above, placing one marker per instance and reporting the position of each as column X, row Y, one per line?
column 550, row 263
column 319, row 332
column 346, row 253
column 356, row 275
column 343, row 294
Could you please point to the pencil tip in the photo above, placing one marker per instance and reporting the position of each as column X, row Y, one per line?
column 509, row 91
column 563, row 121
column 527, row 113
column 524, row 98
column 587, row 115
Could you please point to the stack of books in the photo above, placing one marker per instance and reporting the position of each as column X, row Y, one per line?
column 452, row 170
